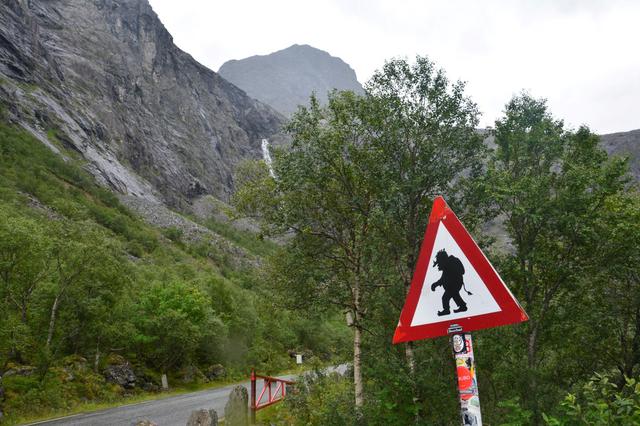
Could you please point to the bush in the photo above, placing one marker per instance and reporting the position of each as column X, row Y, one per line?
column 322, row 399
column 601, row 402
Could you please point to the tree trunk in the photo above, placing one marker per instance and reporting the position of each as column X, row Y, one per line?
column 357, row 367
column 408, row 349
column 533, row 379
column 52, row 321
column 96, row 361
column 411, row 358
column 23, row 313
column 411, row 362
column 357, row 351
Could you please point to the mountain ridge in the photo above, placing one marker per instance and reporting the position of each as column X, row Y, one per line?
column 625, row 144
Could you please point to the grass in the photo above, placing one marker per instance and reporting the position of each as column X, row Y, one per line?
column 273, row 415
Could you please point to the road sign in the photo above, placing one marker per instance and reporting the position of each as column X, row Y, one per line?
column 454, row 285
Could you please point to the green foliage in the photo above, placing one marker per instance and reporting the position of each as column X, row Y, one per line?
column 60, row 389
column 322, row 399
column 600, row 402
column 513, row 414
column 550, row 185
column 80, row 274
column 172, row 319
column 352, row 194
column 173, row 233
column 250, row 241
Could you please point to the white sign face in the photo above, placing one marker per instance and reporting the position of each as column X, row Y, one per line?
column 447, row 284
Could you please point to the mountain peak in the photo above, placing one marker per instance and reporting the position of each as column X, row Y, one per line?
column 286, row 78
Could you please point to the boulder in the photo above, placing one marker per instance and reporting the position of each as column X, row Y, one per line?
column 215, row 372
column 121, row 374
column 147, row 380
column 192, row 374
column 203, row 418
column 236, row 412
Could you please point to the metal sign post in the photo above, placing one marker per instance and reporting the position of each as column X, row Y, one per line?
column 467, row 383
column 253, row 397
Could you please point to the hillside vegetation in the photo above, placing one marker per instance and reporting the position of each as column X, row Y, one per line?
column 89, row 293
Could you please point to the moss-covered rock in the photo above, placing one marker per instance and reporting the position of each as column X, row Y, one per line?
column 215, row 372
column 19, row 370
column 192, row 374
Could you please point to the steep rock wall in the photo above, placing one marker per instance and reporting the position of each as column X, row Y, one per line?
column 103, row 78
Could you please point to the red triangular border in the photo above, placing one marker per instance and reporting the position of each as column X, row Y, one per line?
column 510, row 310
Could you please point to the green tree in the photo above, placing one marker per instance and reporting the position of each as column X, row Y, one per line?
column 617, row 283
column 325, row 195
column 172, row 319
column 85, row 263
column 427, row 145
column 25, row 264
column 548, row 185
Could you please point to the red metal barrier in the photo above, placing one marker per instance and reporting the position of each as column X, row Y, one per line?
column 273, row 395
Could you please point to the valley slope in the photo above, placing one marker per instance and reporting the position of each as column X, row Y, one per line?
column 104, row 79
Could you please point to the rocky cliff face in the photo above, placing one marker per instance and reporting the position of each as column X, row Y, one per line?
column 625, row 144
column 103, row 78
column 286, row 79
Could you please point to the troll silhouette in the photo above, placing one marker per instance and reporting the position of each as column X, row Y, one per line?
column 451, row 280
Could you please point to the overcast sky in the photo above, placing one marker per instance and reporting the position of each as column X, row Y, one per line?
column 582, row 55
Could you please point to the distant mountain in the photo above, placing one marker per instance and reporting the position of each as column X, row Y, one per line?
column 104, row 79
column 286, row 78
column 627, row 144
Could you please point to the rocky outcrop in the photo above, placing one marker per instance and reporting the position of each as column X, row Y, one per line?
column 216, row 246
column 120, row 372
column 19, row 370
column 286, row 79
column 215, row 372
column 103, row 80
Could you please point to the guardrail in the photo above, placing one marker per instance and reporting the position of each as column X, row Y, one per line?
column 273, row 395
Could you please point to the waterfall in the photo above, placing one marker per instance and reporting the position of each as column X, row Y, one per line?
column 267, row 156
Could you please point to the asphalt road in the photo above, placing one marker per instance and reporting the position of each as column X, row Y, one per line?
column 168, row 411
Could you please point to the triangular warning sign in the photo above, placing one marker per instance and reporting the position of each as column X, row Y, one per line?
column 453, row 285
